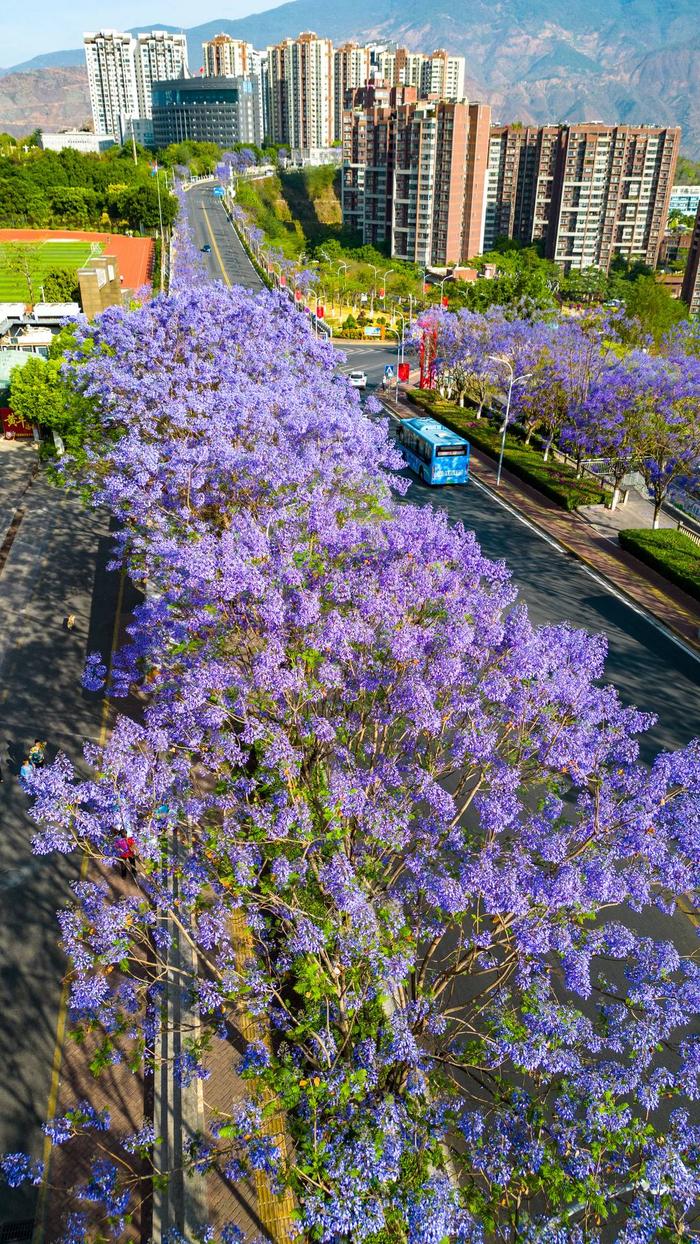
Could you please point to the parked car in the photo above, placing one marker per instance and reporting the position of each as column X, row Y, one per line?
column 206, row 249
column 358, row 379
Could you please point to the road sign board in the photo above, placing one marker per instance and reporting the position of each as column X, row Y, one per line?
column 388, row 370
column 371, row 331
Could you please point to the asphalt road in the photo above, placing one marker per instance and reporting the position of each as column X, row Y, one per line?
column 227, row 261
column 649, row 669
column 57, row 566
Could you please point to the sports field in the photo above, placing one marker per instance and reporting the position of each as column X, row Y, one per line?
column 44, row 257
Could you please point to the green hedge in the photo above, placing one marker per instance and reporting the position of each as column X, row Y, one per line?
column 556, row 480
column 673, row 554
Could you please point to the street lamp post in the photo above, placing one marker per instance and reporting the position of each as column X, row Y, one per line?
column 386, row 274
column 399, row 343
column 497, row 358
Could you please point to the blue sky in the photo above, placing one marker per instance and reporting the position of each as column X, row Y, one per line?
column 47, row 25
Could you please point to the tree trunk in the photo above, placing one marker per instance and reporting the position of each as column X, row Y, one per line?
column 547, row 448
column 657, row 511
column 615, row 497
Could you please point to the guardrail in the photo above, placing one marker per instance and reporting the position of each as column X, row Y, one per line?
column 690, row 532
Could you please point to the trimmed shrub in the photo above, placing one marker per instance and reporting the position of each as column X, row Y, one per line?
column 671, row 553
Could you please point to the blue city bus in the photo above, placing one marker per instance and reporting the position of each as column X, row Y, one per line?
column 437, row 455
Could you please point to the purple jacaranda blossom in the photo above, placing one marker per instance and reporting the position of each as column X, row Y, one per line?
column 400, row 824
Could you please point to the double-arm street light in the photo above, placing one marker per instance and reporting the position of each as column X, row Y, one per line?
column 512, row 379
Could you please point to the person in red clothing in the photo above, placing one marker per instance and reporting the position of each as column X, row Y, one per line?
column 126, row 854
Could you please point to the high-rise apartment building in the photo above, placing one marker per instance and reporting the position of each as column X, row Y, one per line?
column 301, row 91
column 440, row 171
column 414, row 173
column 369, row 138
column 438, row 74
column 522, row 164
column 590, row 192
column 224, row 57
column 111, row 68
column 160, row 55
column 690, row 292
column 351, row 70
column 121, row 73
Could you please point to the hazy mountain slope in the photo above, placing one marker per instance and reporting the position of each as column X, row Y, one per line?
column 50, row 99
column 534, row 60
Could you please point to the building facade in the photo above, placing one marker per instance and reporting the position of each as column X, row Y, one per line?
column 438, row 74
column 690, row 292
column 589, row 192
column 111, row 68
column 522, row 163
column 77, row 140
column 367, row 180
column 216, row 110
column 160, row 56
column 121, row 73
column 224, row 57
column 301, row 104
column 351, row 71
column 414, row 174
column 685, row 199
column 611, row 194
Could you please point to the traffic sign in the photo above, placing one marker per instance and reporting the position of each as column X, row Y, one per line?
column 388, row 371
column 371, row 331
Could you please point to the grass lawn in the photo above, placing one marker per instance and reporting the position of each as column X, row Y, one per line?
column 671, row 553
column 43, row 257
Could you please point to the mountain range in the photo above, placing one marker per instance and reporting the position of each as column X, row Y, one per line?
column 533, row 60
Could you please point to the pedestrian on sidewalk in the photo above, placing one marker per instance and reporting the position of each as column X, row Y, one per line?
column 26, row 771
column 126, row 854
column 37, row 753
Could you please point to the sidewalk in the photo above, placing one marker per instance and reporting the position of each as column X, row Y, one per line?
column 591, row 537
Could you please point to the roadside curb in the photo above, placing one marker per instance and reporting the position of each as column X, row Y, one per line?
column 664, row 625
column 677, row 636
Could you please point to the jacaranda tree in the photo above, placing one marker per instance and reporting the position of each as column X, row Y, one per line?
column 404, row 830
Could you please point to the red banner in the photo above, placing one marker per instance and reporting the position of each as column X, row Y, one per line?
column 404, row 371
column 320, row 312
column 297, row 295
column 381, row 293
column 12, row 425
column 445, row 300
column 283, row 279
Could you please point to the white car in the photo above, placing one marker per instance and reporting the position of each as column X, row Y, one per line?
column 358, row 379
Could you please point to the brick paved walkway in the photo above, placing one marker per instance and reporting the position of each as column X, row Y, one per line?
column 666, row 602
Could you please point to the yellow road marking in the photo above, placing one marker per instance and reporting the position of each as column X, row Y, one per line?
column 217, row 252
column 40, row 1223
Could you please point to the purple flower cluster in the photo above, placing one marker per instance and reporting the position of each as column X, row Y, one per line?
column 429, row 814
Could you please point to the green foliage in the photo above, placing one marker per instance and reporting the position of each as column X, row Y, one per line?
column 200, row 158
column 651, row 304
column 687, row 172
column 555, row 479
column 60, row 285
column 672, row 553
column 45, row 189
column 40, row 394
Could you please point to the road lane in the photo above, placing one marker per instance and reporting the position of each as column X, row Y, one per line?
column 648, row 668
column 227, row 261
